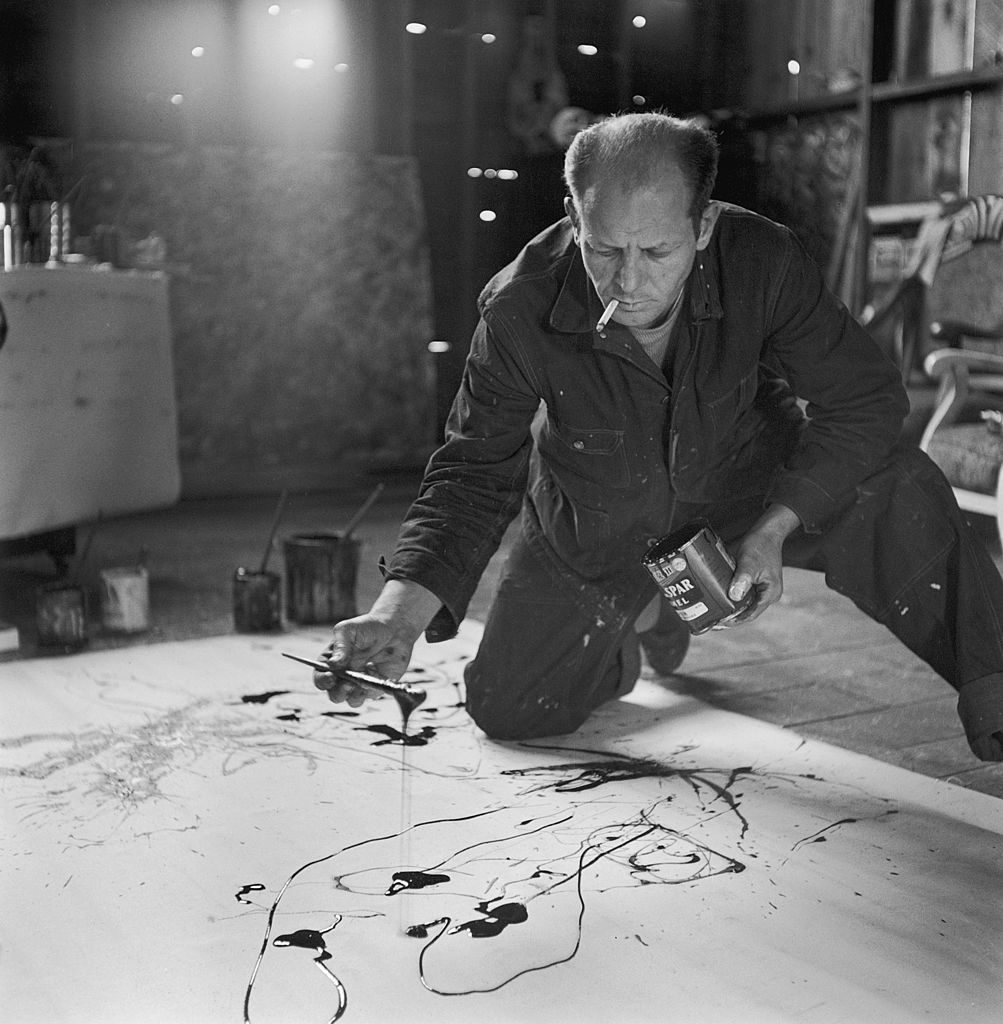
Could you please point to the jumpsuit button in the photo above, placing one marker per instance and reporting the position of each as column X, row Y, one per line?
column 579, row 445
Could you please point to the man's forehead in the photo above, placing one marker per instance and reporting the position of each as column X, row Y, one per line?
column 652, row 212
column 613, row 189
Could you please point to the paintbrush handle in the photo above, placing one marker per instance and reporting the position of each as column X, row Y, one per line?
column 357, row 518
column 362, row 678
column 271, row 533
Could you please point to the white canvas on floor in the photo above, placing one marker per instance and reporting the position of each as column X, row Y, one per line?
column 193, row 833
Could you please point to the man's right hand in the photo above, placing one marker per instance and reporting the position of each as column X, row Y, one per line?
column 365, row 643
column 380, row 642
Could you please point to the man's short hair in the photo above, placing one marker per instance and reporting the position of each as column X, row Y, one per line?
column 633, row 148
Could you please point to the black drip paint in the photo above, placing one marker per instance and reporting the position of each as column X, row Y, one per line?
column 305, row 938
column 262, row 698
column 244, row 890
column 622, row 768
column 310, row 938
column 339, row 714
column 405, row 739
column 414, row 880
column 420, row 931
column 495, row 920
column 291, row 716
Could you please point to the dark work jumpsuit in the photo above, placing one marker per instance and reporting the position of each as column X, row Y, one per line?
column 776, row 395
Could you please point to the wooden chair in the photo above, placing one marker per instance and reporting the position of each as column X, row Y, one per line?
column 959, row 284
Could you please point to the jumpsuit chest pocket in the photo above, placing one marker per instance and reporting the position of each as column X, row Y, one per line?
column 723, row 409
column 597, row 455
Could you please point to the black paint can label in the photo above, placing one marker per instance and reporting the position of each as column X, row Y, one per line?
column 693, row 570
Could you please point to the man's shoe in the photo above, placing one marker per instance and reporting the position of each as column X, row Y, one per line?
column 666, row 643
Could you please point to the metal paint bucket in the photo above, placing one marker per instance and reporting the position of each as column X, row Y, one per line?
column 693, row 570
column 61, row 616
column 257, row 601
column 321, row 574
column 125, row 599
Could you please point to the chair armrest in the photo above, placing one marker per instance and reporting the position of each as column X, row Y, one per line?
column 961, row 362
column 950, row 332
column 957, row 370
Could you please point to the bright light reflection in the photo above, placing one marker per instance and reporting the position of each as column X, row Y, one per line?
column 639, row 100
column 490, row 173
column 303, row 63
column 794, row 67
column 587, row 49
column 416, row 28
column 177, row 99
column 341, row 68
column 507, row 174
column 274, row 10
column 487, row 216
column 640, row 21
column 198, row 51
column 474, row 172
column 488, row 37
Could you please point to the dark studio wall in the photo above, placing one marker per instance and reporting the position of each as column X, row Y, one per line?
column 321, row 224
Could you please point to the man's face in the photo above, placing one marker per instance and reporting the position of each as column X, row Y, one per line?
column 639, row 246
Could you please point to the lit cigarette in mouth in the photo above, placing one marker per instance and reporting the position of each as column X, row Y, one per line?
column 607, row 313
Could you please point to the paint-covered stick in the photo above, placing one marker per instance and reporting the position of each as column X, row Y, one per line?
column 280, row 508
column 413, row 694
column 357, row 518
column 607, row 313
column 82, row 558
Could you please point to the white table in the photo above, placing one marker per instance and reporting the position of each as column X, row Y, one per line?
column 88, row 421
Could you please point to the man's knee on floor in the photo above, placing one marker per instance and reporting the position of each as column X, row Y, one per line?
column 502, row 718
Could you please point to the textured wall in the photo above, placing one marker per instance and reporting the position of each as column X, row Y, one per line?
column 300, row 303
column 805, row 173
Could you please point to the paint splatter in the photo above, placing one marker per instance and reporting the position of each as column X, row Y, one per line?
column 245, row 890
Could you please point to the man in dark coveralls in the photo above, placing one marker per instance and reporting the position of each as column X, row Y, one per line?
column 730, row 384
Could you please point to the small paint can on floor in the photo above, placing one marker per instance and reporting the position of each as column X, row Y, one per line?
column 125, row 599
column 61, row 617
column 694, row 570
column 321, row 574
column 257, row 599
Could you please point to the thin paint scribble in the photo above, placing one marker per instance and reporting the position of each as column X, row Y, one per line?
column 819, row 837
column 273, row 909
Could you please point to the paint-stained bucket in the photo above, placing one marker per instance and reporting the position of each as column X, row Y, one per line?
column 125, row 599
column 61, row 617
column 321, row 574
column 257, row 601
column 693, row 570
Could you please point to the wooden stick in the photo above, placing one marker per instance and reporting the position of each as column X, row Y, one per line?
column 271, row 533
column 357, row 518
column 82, row 557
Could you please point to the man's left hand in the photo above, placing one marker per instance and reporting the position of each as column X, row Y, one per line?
column 759, row 563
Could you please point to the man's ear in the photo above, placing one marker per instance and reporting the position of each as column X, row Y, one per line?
column 707, row 221
column 572, row 212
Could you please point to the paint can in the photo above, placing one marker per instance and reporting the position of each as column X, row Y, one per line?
column 693, row 570
column 125, row 599
column 61, row 617
column 257, row 598
column 321, row 573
